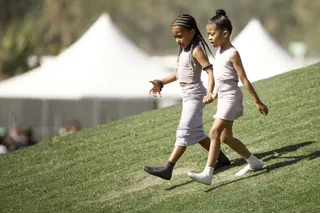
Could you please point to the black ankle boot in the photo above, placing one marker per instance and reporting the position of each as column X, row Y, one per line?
column 222, row 161
column 164, row 172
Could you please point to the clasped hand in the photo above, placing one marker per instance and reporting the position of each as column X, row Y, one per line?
column 208, row 98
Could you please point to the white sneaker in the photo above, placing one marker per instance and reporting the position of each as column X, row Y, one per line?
column 252, row 166
column 243, row 171
column 256, row 164
column 201, row 177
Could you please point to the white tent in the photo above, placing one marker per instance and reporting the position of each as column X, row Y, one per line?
column 262, row 57
column 101, row 77
column 103, row 63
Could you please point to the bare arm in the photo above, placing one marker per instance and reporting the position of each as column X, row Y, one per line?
column 170, row 78
column 203, row 60
column 237, row 63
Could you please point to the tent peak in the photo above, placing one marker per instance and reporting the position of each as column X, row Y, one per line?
column 254, row 20
column 105, row 16
column 255, row 23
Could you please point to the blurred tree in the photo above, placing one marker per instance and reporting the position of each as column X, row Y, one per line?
column 16, row 47
column 15, row 10
column 307, row 25
column 58, row 23
column 16, row 31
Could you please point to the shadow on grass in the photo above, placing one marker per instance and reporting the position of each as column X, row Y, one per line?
column 265, row 156
column 257, row 173
column 178, row 185
column 273, row 154
column 294, row 159
column 276, row 154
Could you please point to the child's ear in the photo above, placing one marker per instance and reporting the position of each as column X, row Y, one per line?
column 193, row 32
column 225, row 33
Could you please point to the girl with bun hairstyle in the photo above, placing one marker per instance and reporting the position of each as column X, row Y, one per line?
column 228, row 69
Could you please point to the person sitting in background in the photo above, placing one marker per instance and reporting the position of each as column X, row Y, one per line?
column 8, row 142
column 17, row 139
column 3, row 148
column 27, row 137
column 63, row 131
column 15, row 133
column 75, row 126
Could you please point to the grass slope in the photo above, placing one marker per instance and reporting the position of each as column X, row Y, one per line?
column 101, row 169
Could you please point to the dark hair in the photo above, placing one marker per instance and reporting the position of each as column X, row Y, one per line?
column 76, row 124
column 187, row 21
column 28, row 132
column 221, row 20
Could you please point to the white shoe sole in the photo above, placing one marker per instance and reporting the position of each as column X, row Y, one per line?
column 247, row 169
column 243, row 171
column 199, row 179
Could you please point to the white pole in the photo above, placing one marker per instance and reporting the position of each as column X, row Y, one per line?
column 96, row 112
column 44, row 119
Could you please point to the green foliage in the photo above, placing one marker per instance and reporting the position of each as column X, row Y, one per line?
column 101, row 169
column 59, row 23
column 16, row 47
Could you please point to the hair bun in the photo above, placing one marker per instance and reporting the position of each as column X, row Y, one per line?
column 221, row 12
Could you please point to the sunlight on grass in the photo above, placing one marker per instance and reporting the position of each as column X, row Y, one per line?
column 101, row 169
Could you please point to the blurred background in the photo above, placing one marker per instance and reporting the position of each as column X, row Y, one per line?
column 72, row 64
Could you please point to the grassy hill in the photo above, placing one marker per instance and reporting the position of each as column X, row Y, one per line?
column 101, row 169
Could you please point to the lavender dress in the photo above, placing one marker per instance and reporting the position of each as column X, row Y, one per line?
column 190, row 130
column 230, row 97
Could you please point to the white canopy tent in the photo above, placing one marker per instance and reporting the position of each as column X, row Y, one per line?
column 103, row 63
column 101, row 77
column 261, row 56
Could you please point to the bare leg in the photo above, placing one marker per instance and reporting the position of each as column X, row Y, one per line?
column 205, row 176
column 205, row 143
column 223, row 160
column 215, row 134
column 177, row 152
column 222, row 129
column 239, row 148
column 234, row 143
column 253, row 162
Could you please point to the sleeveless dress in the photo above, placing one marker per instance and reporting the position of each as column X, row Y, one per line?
column 230, row 97
column 190, row 130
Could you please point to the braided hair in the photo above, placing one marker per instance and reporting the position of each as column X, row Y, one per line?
column 188, row 22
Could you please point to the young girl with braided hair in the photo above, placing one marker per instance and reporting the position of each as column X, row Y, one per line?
column 192, row 59
column 228, row 69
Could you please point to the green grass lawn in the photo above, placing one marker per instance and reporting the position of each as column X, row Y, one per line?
column 101, row 169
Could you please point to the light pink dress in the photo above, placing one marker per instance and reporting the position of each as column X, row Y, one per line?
column 230, row 97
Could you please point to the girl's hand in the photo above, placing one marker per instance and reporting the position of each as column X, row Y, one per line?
column 262, row 108
column 208, row 98
column 155, row 90
column 215, row 96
